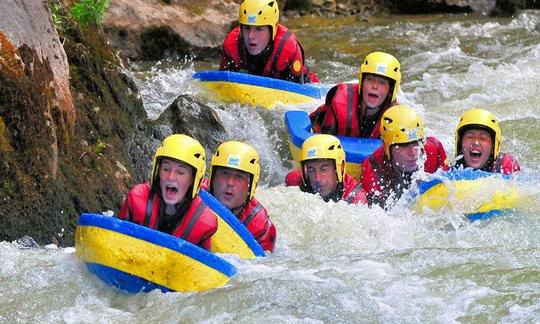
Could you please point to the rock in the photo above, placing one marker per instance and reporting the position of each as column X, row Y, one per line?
column 191, row 116
column 152, row 29
column 26, row 242
column 55, row 163
column 29, row 24
column 186, row 115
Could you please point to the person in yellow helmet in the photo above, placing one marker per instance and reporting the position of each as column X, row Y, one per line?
column 478, row 141
column 388, row 172
column 170, row 202
column 322, row 171
column 234, row 175
column 355, row 109
column 262, row 46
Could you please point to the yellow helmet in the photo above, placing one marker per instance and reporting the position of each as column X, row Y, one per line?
column 259, row 13
column 479, row 118
column 399, row 125
column 383, row 64
column 185, row 149
column 323, row 146
column 239, row 156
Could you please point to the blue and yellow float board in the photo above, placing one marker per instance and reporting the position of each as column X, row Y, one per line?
column 135, row 258
column 254, row 90
column 356, row 149
column 231, row 236
column 468, row 188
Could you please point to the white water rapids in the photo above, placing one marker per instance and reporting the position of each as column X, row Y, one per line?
column 337, row 263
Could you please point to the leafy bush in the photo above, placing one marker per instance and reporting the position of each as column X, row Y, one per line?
column 88, row 12
column 59, row 15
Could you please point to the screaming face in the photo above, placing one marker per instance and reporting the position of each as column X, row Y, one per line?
column 175, row 179
column 476, row 147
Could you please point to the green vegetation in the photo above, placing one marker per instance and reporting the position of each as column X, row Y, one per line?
column 99, row 147
column 59, row 16
column 57, row 20
column 89, row 12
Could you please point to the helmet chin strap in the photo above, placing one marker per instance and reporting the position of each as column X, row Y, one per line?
column 236, row 211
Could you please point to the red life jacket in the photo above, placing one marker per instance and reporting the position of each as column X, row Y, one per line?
column 293, row 178
column 197, row 226
column 435, row 155
column 378, row 179
column 352, row 190
column 255, row 218
column 342, row 113
column 506, row 164
column 286, row 51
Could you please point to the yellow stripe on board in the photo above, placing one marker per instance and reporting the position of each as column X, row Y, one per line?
column 231, row 92
column 149, row 261
column 471, row 196
column 226, row 240
column 507, row 198
column 295, row 152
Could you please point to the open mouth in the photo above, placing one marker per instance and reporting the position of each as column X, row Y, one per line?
column 373, row 96
column 171, row 190
column 475, row 154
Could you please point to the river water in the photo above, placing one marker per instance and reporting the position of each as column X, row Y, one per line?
column 335, row 262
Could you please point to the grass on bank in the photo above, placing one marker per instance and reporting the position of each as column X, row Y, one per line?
column 84, row 12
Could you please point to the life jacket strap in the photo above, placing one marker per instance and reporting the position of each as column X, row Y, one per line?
column 193, row 220
column 350, row 198
column 149, row 207
column 254, row 211
column 282, row 42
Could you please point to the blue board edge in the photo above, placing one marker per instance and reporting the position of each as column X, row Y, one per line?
column 457, row 175
column 464, row 174
column 158, row 238
column 486, row 215
column 124, row 282
column 314, row 90
column 232, row 221
column 356, row 149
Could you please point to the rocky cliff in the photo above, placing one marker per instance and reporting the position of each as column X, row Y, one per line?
column 65, row 109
